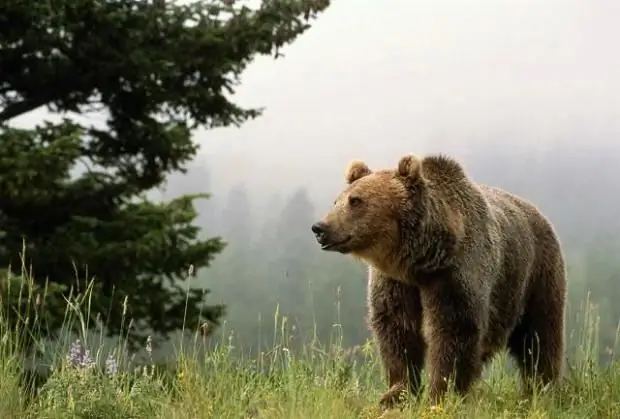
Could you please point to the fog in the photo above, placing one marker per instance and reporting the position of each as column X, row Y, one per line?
column 373, row 80
column 525, row 93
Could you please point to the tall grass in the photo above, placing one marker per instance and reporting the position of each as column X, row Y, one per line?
column 318, row 381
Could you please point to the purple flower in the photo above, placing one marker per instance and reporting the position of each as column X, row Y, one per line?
column 111, row 366
column 79, row 356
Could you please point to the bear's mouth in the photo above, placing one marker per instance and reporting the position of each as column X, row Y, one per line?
column 335, row 245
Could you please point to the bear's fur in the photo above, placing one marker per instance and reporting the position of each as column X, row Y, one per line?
column 457, row 272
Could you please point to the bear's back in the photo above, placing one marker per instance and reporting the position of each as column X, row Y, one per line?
column 516, row 216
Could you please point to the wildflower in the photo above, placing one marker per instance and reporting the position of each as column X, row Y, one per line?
column 205, row 329
column 149, row 346
column 111, row 365
column 79, row 356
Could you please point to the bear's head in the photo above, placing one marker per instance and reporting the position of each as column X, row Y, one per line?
column 369, row 217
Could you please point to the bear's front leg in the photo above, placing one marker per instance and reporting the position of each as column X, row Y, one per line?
column 402, row 354
column 453, row 329
column 396, row 323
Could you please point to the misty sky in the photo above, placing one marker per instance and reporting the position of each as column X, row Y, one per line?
column 376, row 79
column 373, row 80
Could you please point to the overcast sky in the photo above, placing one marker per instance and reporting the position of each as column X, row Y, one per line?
column 376, row 79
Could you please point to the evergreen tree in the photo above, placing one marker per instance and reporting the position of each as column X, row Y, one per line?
column 155, row 70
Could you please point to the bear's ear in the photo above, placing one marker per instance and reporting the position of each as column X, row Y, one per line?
column 356, row 170
column 410, row 166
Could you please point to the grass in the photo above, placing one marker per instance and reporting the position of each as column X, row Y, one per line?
column 317, row 382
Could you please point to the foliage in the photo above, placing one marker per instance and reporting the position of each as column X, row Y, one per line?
column 74, row 190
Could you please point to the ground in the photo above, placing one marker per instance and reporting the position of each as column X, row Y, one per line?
column 324, row 382
column 216, row 386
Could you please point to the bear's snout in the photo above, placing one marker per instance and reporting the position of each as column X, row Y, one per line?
column 329, row 240
column 320, row 229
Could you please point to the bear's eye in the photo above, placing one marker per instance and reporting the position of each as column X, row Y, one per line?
column 355, row 201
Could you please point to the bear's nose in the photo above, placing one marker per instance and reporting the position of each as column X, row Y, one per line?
column 318, row 228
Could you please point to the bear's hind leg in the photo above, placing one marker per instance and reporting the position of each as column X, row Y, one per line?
column 538, row 350
column 537, row 343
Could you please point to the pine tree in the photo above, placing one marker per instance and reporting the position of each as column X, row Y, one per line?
column 74, row 192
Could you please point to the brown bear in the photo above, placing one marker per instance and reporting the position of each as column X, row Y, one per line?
column 457, row 272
